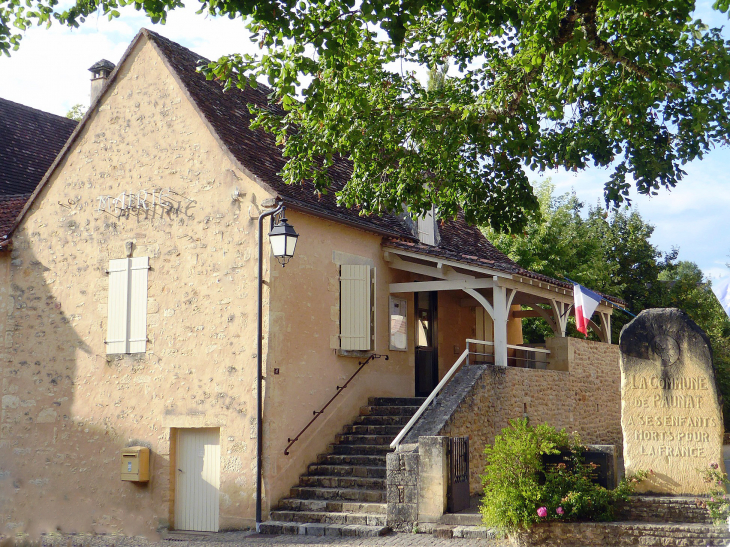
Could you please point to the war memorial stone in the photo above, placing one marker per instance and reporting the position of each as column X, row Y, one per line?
column 671, row 414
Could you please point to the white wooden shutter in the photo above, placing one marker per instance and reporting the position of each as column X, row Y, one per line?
column 117, row 332
column 427, row 229
column 355, row 307
column 127, row 308
column 138, row 304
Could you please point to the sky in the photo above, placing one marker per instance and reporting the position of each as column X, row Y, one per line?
column 49, row 72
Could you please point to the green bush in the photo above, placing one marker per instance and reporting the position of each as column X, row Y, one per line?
column 717, row 501
column 519, row 491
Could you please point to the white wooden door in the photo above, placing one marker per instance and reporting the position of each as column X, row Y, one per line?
column 198, row 479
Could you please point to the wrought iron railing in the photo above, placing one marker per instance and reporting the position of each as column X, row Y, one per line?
column 471, row 349
column 318, row 413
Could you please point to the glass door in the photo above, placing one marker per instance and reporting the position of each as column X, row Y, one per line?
column 426, row 342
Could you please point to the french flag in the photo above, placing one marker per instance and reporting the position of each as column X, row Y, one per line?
column 586, row 302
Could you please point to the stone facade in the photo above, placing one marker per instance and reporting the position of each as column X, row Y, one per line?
column 67, row 407
column 585, row 399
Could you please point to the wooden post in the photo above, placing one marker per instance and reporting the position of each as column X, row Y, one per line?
column 499, row 303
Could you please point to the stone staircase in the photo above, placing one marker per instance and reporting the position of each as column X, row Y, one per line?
column 343, row 493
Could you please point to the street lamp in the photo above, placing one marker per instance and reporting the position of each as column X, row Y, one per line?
column 283, row 240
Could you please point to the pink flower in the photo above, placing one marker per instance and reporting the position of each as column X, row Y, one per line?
column 560, row 511
column 542, row 512
column 714, row 465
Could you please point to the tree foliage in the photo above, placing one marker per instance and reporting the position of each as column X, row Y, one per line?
column 635, row 86
column 76, row 112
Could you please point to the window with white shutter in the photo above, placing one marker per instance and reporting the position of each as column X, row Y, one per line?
column 357, row 317
column 127, row 311
column 427, row 228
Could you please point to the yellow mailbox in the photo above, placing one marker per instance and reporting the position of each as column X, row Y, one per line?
column 136, row 464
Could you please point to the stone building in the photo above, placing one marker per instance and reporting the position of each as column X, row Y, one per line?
column 129, row 305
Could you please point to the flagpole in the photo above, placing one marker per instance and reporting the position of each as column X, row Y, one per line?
column 612, row 304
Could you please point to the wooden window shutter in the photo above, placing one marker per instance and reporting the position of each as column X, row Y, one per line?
column 138, row 304
column 427, row 229
column 355, row 307
column 117, row 332
column 127, row 308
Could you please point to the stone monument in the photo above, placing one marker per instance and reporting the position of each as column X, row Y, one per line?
column 671, row 412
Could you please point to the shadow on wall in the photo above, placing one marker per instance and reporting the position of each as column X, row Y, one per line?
column 60, row 441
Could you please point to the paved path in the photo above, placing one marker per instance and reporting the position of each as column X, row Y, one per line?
column 247, row 538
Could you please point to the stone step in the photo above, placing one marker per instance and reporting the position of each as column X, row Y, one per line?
column 461, row 519
column 672, row 535
column 323, row 481
column 319, row 529
column 624, row 534
column 663, row 509
column 388, row 411
column 446, row 531
column 344, row 438
column 360, row 449
column 391, row 430
column 295, row 504
column 327, row 517
column 375, row 472
column 400, row 421
column 396, row 401
column 336, row 494
column 369, row 460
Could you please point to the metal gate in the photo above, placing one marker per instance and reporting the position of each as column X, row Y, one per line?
column 458, row 491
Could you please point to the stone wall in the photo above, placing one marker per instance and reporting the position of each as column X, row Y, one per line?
column 584, row 399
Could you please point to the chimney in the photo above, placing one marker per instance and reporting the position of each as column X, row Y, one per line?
column 99, row 74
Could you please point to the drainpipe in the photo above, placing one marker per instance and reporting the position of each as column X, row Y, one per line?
column 259, row 366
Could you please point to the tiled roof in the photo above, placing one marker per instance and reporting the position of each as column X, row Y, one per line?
column 10, row 207
column 30, row 139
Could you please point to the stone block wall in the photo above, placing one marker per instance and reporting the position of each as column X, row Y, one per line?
column 585, row 399
column 402, row 476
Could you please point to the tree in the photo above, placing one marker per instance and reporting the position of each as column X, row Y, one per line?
column 686, row 287
column 636, row 86
column 76, row 112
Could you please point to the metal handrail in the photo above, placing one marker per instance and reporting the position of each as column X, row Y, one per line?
column 318, row 413
column 463, row 357
column 428, row 400
column 510, row 346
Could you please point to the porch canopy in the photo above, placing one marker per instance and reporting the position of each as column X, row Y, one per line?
column 494, row 290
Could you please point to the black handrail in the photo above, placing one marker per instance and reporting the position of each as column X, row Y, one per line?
column 318, row 413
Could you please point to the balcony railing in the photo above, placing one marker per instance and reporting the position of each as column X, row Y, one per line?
column 474, row 354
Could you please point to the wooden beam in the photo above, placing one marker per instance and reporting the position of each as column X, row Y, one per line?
column 446, row 262
column 521, row 314
column 445, row 285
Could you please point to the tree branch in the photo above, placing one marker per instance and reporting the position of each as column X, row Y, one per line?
column 588, row 16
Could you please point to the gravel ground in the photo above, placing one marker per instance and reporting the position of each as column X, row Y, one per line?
column 249, row 538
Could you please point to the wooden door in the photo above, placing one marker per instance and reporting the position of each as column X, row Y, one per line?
column 198, row 459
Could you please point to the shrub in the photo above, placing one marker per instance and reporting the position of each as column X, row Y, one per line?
column 519, row 491
column 718, row 502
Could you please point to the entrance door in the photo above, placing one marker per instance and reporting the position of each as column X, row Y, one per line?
column 427, row 370
column 198, row 460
